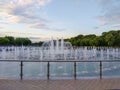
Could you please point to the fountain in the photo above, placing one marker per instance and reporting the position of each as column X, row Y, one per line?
column 56, row 49
column 61, row 50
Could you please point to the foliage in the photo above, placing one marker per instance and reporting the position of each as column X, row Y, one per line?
column 22, row 41
column 9, row 40
column 111, row 38
column 4, row 41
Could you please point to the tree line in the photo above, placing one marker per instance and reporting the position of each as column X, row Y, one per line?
column 11, row 41
column 111, row 39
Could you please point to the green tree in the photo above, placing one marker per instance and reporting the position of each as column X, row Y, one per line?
column 109, row 38
column 11, row 40
column 4, row 41
column 22, row 41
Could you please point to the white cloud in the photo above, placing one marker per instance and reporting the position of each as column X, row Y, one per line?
column 110, row 12
column 22, row 11
column 1, row 27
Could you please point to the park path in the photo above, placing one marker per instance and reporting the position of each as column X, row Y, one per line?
column 80, row 84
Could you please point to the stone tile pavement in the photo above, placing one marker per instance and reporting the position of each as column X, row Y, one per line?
column 80, row 84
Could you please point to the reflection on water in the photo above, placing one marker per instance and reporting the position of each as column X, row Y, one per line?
column 38, row 70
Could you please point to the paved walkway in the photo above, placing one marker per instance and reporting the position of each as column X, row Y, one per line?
column 91, row 84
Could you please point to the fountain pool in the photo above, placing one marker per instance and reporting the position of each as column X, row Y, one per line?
column 58, row 50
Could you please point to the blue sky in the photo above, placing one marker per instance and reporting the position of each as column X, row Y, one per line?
column 43, row 19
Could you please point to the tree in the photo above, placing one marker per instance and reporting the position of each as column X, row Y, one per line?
column 109, row 38
column 11, row 40
column 22, row 41
column 4, row 41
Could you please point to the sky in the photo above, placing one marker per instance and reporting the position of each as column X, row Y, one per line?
column 43, row 19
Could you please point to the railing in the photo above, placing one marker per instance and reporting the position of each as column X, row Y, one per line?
column 48, row 65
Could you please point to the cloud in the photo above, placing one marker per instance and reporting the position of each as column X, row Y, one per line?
column 22, row 11
column 109, row 19
column 39, row 25
column 45, row 27
column 96, row 27
column 25, row 12
column 56, row 29
column 116, row 26
column 20, row 34
column 110, row 14
column 1, row 27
